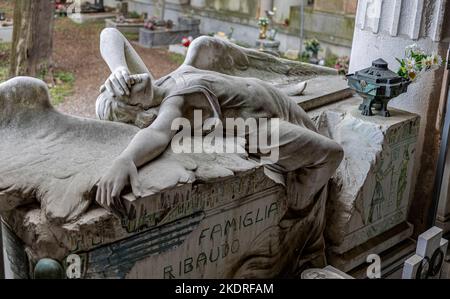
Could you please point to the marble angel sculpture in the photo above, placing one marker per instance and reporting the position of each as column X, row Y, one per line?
column 225, row 81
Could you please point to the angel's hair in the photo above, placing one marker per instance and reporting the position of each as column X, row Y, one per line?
column 108, row 108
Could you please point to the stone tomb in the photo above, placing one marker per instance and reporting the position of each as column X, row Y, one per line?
column 206, row 215
column 200, row 224
column 163, row 37
column 193, row 231
column 126, row 27
column 82, row 18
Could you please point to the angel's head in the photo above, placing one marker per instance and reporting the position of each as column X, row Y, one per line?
column 134, row 109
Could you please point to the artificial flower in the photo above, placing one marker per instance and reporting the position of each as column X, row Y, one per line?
column 427, row 63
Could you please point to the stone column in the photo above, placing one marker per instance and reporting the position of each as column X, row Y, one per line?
column 443, row 217
column 383, row 30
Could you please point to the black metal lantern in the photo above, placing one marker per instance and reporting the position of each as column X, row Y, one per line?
column 377, row 85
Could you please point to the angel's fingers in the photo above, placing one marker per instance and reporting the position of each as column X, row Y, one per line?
column 117, row 86
column 110, row 88
column 100, row 192
column 127, row 78
column 121, row 80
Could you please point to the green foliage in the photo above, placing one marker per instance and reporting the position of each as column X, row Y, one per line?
column 312, row 46
column 63, row 88
column 131, row 36
column 134, row 15
column 7, row 6
column 305, row 57
column 5, row 49
column 331, row 60
column 263, row 21
column 3, row 73
column 176, row 58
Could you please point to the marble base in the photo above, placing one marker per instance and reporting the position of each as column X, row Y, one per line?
column 357, row 256
column 392, row 261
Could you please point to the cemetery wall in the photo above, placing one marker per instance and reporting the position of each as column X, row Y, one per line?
column 335, row 28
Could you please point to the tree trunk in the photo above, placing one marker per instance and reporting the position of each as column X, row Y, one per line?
column 32, row 37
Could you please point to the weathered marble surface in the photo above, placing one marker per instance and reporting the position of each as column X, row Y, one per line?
column 369, row 195
column 46, row 199
column 44, row 143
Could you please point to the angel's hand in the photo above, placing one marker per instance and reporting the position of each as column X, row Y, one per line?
column 119, row 82
column 122, row 173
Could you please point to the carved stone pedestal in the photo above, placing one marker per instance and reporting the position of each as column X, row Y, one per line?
column 370, row 194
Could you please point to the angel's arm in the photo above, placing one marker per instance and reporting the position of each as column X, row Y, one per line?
column 117, row 52
column 122, row 60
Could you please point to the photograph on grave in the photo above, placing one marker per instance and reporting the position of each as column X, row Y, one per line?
column 250, row 139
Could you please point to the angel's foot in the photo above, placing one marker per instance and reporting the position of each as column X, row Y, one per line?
column 301, row 87
column 297, row 89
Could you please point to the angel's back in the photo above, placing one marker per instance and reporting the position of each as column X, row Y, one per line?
column 242, row 97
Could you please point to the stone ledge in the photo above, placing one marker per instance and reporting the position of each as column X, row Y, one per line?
column 357, row 256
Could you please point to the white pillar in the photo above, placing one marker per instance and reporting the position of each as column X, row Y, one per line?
column 383, row 29
column 265, row 5
column 443, row 217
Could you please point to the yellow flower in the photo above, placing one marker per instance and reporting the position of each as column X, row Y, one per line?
column 412, row 75
column 410, row 64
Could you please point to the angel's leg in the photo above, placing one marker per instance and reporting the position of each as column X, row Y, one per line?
column 117, row 51
column 294, row 89
column 310, row 158
column 213, row 54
